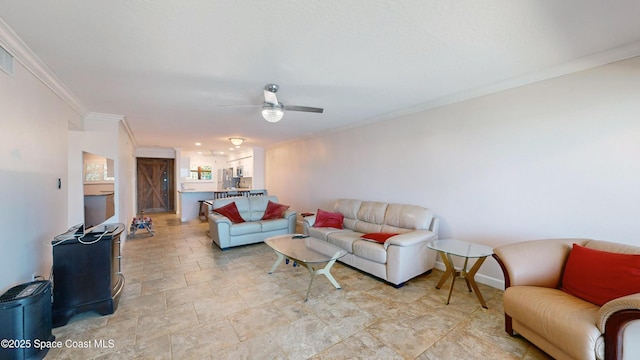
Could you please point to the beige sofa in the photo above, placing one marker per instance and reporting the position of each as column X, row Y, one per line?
column 563, row 325
column 225, row 233
column 401, row 257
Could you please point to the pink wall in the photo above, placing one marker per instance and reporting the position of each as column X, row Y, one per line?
column 558, row 158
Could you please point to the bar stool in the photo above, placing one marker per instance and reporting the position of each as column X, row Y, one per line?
column 204, row 208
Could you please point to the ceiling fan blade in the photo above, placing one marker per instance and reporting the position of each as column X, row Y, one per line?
column 303, row 108
column 240, row 105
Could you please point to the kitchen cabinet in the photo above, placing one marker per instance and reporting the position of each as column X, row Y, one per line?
column 252, row 162
column 247, row 166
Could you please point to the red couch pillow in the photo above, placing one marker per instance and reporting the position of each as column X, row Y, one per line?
column 274, row 211
column 329, row 219
column 378, row 237
column 231, row 211
column 599, row 276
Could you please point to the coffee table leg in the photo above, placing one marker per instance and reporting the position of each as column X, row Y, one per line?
column 278, row 261
column 326, row 271
column 313, row 274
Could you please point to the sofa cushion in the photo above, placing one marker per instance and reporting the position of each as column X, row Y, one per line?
column 348, row 207
column 275, row 224
column 344, row 239
column 408, row 216
column 257, row 206
column 328, row 219
column 322, row 232
column 559, row 318
column 599, row 276
column 365, row 227
column 370, row 250
column 244, row 228
column 372, row 212
column 274, row 210
column 230, row 211
column 379, row 237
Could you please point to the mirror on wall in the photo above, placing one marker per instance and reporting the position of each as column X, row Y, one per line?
column 99, row 189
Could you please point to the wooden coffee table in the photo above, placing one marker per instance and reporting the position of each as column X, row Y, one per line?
column 307, row 251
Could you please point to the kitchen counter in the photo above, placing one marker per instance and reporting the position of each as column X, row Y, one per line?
column 189, row 205
column 216, row 191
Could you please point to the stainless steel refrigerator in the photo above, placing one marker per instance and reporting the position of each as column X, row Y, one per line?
column 225, row 178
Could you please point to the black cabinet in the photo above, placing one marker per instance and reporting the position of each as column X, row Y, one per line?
column 86, row 273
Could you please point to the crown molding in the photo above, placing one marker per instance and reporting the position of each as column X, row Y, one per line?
column 584, row 63
column 104, row 117
column 115, row 118
column 11, row 42
column 587, row 62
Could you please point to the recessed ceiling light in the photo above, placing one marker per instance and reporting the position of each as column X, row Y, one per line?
column 199, row 152
column 198, row 144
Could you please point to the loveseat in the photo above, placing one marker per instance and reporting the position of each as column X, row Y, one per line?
column 394, row 260
column 226, row 233
column 573, row 298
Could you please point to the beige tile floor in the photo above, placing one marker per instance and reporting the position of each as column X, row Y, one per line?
column 187, row 299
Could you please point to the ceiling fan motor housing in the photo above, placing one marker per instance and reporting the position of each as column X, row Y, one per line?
column 272, row 88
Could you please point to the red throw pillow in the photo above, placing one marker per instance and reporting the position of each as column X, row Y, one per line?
column 329, row 219
column 231, row 211
column 378, row 237
column 599, row 276
column 274, row 211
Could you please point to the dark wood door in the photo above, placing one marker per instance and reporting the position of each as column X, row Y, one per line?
column 155, row 184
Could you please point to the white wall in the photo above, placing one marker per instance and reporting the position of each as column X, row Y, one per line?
column 33, row 141
column 558, row 158
column 126, row 178
column 106, row 136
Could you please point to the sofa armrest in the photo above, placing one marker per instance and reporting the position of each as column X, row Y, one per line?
column 411, row 238
column 308, row 222
column 290, row 215
column 217, row 218
column 534, row 262
column 629, row 302
column 613, row 318
column 219, row 229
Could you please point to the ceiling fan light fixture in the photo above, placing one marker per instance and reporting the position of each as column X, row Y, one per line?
column 236, row 141
column 272, row 112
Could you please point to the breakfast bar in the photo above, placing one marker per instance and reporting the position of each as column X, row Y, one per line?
column 189, row 200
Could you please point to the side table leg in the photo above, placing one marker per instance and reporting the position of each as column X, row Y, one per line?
column 449, row 270
column 471, row 278
column 464, row 273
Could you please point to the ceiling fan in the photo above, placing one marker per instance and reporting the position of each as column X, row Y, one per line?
column 273, row 110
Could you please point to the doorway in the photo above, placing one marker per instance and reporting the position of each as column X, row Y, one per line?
column 155, row 184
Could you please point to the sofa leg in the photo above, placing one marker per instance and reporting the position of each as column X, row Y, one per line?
column 508, row 326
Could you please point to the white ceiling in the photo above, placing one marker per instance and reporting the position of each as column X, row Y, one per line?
column 167, row 65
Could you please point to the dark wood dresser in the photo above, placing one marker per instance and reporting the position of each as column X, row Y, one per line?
column 86, row 273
